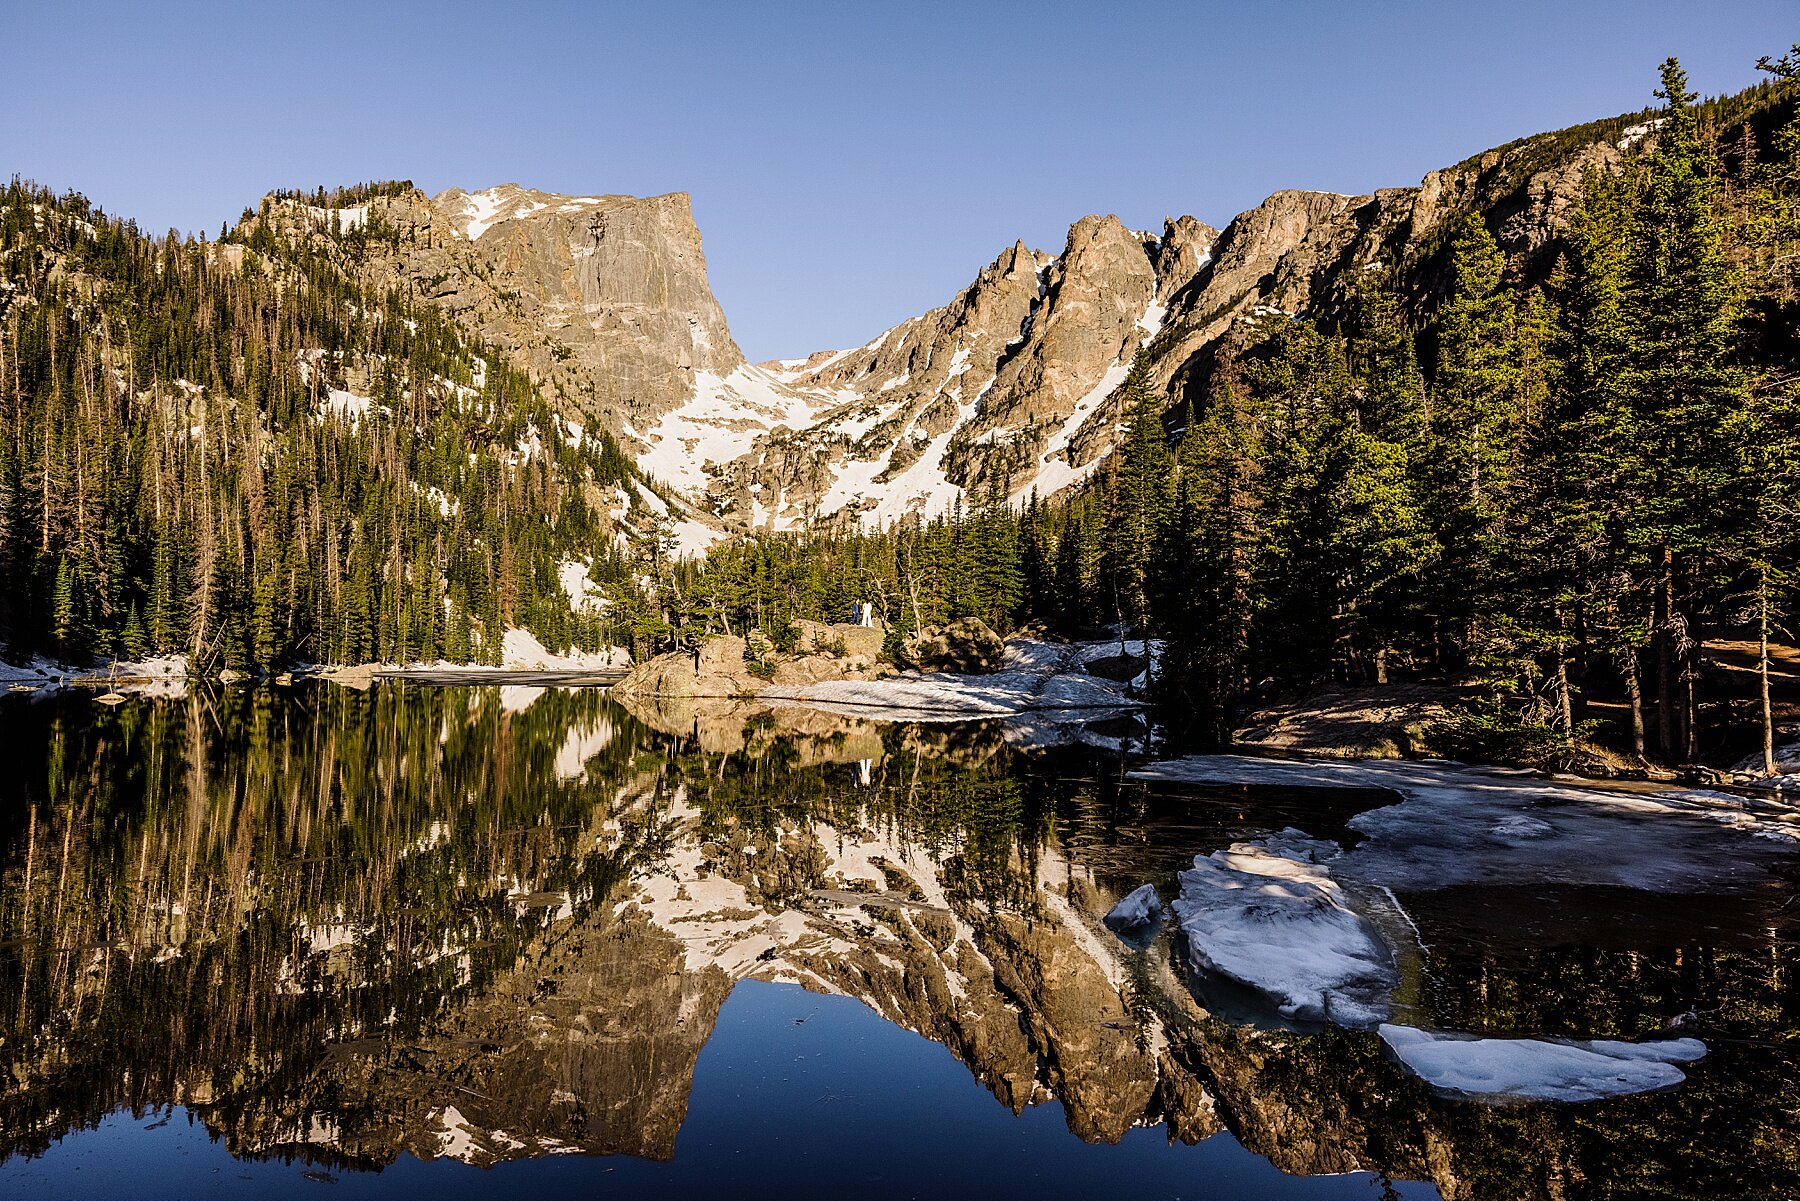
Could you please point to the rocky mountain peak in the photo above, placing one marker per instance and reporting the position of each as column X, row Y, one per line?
column 1185, row 247
column 606, row 293
column 987, row 392
column 604, row 299
column 1008, row 387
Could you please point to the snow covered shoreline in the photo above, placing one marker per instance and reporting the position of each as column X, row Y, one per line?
column 523, row 660
column 1465, row 824
column 520, row 651
column 164, row 675
column 1035, row 676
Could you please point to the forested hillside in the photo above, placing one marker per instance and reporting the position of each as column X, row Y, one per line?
column 1552, row 465
column 1555, row 476
column 229, row 450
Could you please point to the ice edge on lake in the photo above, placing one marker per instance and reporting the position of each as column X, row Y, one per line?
column 1539, row 1069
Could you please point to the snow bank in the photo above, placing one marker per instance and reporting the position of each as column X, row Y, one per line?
column 694, row 538
column 520, row 651
column 480, row 210
column 1054, row 471
column 162, row 675
column 1034, row 676
column 1268, row 915
column 348, row 406
column 720, row 423
column 583, row 593
column 1539, row 1069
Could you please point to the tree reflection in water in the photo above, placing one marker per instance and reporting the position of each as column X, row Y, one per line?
column 495, row 924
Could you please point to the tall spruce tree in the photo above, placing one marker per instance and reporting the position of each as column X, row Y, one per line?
column 1681, row 304
column 1140, row 493
column 1474, row 424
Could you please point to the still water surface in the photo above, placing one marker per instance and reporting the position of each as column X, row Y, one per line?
column 471, row 941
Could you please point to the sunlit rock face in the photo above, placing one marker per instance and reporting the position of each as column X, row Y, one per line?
column 1009, row 388
column 614, row 286
column 603, row 299
column 1002, row 391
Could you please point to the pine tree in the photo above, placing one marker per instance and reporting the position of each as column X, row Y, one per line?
column 1680, row 302
column 1139, row 493
column 1474, row 428
column 68, row 630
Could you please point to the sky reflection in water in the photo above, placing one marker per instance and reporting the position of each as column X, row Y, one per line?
column 346, row 931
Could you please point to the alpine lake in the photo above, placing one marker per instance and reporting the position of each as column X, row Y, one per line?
column 470, row 940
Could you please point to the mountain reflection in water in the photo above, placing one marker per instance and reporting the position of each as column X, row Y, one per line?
column 347, row 931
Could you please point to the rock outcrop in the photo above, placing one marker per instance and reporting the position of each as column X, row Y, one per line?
column 728, row 666
column 1004, row 388
column 603, row 299
column 965, row 645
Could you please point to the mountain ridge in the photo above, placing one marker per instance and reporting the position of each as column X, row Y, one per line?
column 1005, row 388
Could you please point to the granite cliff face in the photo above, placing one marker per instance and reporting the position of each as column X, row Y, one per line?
column 603, row 299
column 1008, row 388
column 995, row 391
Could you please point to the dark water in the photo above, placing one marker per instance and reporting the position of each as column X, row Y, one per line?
column 471, row 941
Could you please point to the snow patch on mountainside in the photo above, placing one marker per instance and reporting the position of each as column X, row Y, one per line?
column 582, row 592
column 481, row 209
column 1055, row 472
column 721, row 423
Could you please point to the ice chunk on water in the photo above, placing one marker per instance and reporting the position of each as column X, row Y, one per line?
column 1520, row 826
column 1539, row 1069
column 1136, row 910
column 1268, row 915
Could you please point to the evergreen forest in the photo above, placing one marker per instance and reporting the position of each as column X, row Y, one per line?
column 1552, row 481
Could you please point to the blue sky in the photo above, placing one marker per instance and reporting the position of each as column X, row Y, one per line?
column 851, row 164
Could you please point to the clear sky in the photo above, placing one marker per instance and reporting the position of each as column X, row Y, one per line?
column 851, row 163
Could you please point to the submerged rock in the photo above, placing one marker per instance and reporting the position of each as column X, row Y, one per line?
column 1136, row 911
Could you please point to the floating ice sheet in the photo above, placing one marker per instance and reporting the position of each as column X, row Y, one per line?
column 1034, row 677
column 1268, row 915
column 1539, row 1069
column 1456, row 825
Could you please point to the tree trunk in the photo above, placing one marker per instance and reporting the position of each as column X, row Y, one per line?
column 1665, row 656
column 1690, row 693
column 1635, row 690
column 1762, row 671
column 1563, row 700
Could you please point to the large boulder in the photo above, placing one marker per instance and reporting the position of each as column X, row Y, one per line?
column 965, row 645
column 716, row 668
column 862, row 642
column 842, row 640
